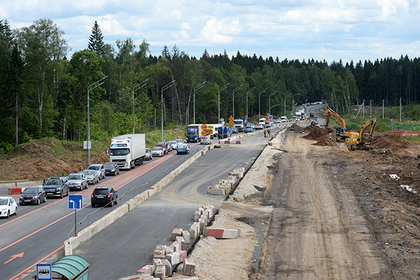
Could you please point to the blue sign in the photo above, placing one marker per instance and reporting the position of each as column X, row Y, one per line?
column 75, row 201
column 270, row 117
column 43, row 271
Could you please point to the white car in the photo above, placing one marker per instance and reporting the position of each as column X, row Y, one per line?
column 92, row 176
column 205, row 140
column 8, row 206
column 98, row 167
column 158, row 151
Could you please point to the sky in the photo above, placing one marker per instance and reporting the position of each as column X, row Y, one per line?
column 288, row 29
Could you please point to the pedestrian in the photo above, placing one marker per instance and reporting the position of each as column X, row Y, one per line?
column 268, row 132
column 265, row 132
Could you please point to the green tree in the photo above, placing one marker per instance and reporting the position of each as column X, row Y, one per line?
column 96, row 40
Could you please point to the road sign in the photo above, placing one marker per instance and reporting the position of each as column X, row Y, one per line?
column 231, row 122
column 210, row 131
column 203, row 126
column 43, row 271
column 87, row 145
column 231, row 118
column 203, row 133
column 75, row 201
column 270, row 117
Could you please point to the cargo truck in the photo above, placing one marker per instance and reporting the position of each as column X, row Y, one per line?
column 240, row 124
column 223, row 132
column 128, row 150
column 194, row 131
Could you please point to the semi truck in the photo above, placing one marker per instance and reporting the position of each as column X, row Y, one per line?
column 240, row 124
column 128, row 150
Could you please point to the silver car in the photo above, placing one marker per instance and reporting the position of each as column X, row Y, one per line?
column 148, row 155
column 77, row 181
column 98, row 167
column 205, row 140
column 174, row 145
column 92, row 176
column 158, row 152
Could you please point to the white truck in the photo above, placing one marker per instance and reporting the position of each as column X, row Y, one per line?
column 240, row 124
column 128, row 150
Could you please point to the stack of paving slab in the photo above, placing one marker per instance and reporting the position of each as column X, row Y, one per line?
column 225, row 186
column 166, row 257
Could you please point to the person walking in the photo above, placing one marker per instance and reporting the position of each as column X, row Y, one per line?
column 268, row 132
column 265, row 132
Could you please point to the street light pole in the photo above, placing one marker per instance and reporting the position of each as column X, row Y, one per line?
column 259, row 103
column 218, row 101
column 269, row 102
column 251, row 90
column 196, row 88
column 136, row 87
column 165, row 87
column 233, row 100
column 293, row 102
column 91, row 87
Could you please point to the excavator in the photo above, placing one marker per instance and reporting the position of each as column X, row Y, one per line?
column 342, row 132
column 362, row 140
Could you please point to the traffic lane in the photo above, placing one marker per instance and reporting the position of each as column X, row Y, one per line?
column 135, row 236
column 176, row 159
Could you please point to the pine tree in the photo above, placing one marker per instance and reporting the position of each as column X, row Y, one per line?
column 96, row 40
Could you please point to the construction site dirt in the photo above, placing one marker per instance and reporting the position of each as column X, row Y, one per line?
column 335, row 213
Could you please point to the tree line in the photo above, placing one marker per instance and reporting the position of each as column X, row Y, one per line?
column 43, row 93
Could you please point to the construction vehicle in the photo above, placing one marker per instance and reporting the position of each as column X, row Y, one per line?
column 342, row 133
column 362, row 141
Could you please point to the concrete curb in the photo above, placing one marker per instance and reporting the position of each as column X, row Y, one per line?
column 73, row 242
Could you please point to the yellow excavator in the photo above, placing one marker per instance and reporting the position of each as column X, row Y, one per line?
column 341, row 132
column 362, row 140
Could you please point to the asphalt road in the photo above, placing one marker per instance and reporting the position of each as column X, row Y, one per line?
column 37, row 233
column 127, row 245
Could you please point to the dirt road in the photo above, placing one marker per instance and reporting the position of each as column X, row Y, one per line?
column 318, row 229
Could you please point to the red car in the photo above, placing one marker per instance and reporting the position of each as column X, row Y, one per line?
column 164, row 147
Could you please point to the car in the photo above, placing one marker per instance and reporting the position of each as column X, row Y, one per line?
column 173, row 144
column 158, row 151
column 314, row 122
column 8, row 206
column 234, row 130
column 100, row 168
column 103, row 195
column 112, row 168
column 56, row 186
column 33, row 195
column 248, row 129
column 169, row 146
column 148, row 155
column 77, row 181
column 92, row 176
column 259, row 127
column 205, row 140
column 179, row 141
column 183, row 149
column 164, row 146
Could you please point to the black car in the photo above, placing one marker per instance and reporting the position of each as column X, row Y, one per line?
column 33, row 195
column 112, row 168
column 56, row 186
column 103, row 196
column 234, row 130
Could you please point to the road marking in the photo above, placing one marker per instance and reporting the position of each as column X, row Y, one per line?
column 14, row 257
column 31, row 268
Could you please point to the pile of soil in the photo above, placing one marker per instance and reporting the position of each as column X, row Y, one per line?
column 321, row 135
column 295, row 127
column 388, row 142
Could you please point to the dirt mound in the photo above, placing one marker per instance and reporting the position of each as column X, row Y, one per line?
column 314, row 132
column 388, row 142
column 321, row 135
column 295, row 127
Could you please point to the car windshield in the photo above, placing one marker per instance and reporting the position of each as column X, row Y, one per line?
column 160, row 145
column 53, row 182
column 3, row 201
column 109, row 165
column 94, row 167
column 30, row 191
column 75, row 177
column 119, row 152
column 89, row 172
column 157, row 148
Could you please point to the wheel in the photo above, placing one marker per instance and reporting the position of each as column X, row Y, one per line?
column 93, row 205
column 16, row 211
column 38, row 201
column 61, row 194
column 8, row 214
column 45, row 199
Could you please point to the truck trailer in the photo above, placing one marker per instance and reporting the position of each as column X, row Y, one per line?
column 128, row 150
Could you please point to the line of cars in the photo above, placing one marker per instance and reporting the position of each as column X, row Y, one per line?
column 163, row 148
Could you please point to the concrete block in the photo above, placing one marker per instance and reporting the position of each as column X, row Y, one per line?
column 182, row 256
column 168, row 267
column 202, row 224
column 181, row 240
column 176, row 232
column 160, row 272
column 221, row 233
column 146, row 270
column 194, row 230
column 173, row 258
column 196, row 215
column 186, row 236
column 159, row 254
column 189, row 268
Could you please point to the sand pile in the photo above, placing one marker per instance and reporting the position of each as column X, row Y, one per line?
column 295, row 127
column 321, row 135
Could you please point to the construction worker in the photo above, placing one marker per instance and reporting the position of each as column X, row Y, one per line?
column 330, row 137
column 265, row 132
column 268, row 132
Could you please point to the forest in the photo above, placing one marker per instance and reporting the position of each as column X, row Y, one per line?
column 44, row 93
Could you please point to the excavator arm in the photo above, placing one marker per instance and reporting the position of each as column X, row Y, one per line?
column 330, row 113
